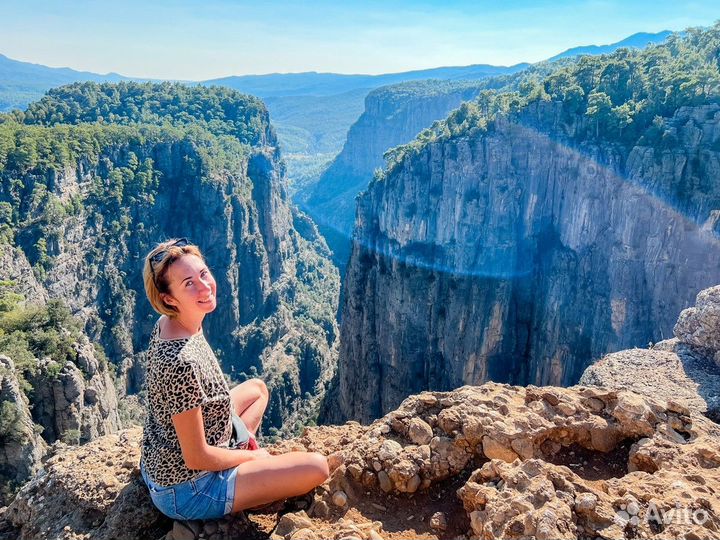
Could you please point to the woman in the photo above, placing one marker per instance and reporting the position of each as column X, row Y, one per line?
column 186, row 462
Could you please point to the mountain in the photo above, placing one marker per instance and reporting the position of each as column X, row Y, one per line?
column 314, row 124
column 326, row 84
column 313, row 111
column 534, row 231
column 394, row 115
column 23, row 82
column 638, row 41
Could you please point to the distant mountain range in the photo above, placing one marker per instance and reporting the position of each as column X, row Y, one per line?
column 23, row 82
column 326, row 84
column 310, row 111
column 637, row 41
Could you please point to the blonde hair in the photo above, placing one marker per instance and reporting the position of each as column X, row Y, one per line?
column 155, row 276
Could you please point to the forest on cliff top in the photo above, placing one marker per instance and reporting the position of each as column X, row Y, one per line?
column 625, row 95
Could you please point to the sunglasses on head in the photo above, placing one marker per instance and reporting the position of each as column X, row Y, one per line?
column 160, row 255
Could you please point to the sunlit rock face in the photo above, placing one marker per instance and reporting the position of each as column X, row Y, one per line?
column 522, row 254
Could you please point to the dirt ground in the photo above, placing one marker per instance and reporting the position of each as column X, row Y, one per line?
column 403, row 517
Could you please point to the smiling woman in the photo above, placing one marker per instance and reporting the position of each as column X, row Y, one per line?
column 194, row 459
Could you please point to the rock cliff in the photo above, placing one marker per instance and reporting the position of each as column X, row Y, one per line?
column 77, row 404
column 393, row 115
column 521, row 253
column 22, row 446
column 18, row 277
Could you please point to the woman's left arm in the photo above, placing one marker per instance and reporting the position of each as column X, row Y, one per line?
column 198, row 454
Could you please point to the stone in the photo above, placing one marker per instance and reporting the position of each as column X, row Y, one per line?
column 523, row 447
column 385, row 482
column 585, row 502
column 419, row 431
column 339, row 498
column 413, row 484
column 335, row 460
column 494, row 450
column 566, row 409
column 374, row 535
column 389, row 450
column 320, row 509
column 291, row 522
column 438, row 522
column 304, row 534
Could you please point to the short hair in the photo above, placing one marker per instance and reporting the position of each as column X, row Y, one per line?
column 155, row 276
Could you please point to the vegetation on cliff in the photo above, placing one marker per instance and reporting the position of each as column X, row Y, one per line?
column 109, row 128
column 219, row 110
column 34, row 158
column 30, row 332
column 624, row 96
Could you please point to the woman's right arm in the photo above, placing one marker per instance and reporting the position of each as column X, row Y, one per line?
column 198, row 454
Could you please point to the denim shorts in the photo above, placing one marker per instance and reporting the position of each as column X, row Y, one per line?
column 208, row 496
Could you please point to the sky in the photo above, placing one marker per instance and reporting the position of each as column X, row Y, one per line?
column 206, row 39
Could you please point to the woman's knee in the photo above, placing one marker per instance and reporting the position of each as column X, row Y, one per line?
column 319, row 467
column 261, row 387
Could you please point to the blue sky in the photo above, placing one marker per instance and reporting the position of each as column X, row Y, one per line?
column 203, row 39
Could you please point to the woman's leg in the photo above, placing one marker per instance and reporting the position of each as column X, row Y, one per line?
column 250, row 399
column 278, row 477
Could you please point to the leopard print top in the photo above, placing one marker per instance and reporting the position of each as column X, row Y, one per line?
column 181, row 374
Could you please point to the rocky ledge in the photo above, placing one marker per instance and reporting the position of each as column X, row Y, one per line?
column 478, row 462
column 632, row 452
column 685, row 369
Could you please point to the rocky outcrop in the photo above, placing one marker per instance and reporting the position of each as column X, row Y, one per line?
column 90, row 491
column 22, row 446
column 78, row 402
column 393, row 115
column 682, row 370
column 519, row 253
column 698, row 326
column 17, row 275
column 494, row 461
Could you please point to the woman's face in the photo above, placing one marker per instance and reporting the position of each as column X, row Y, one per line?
column 192, row 286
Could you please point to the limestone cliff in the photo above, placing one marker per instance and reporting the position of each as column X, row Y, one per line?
column 22, row 446
column 86, row 221
column 393, row 115
column 77, row 404
column 18, row 277
column 522, row 252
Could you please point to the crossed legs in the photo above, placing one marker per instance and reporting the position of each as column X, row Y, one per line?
column 278, row 477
